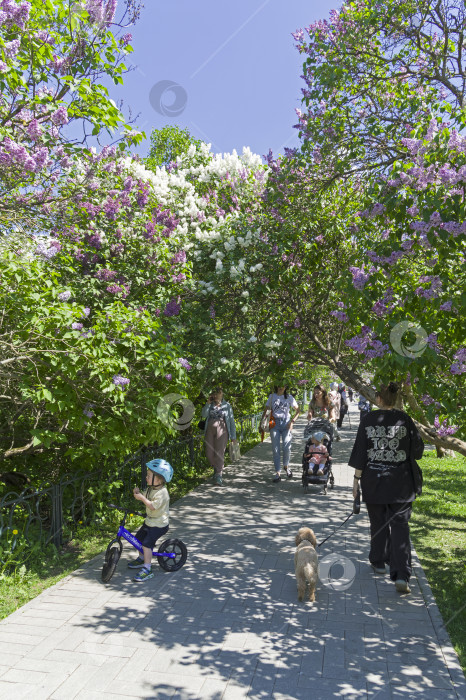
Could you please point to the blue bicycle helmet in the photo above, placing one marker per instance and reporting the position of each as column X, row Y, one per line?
column 162, row 467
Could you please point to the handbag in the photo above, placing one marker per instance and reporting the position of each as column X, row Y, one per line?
column 264, row 425
column 271, row 422
column 234, row 451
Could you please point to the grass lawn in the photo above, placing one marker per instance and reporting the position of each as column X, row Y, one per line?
column 438, row 531
column 44, row 567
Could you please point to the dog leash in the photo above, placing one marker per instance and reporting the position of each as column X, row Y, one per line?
column 355, row 511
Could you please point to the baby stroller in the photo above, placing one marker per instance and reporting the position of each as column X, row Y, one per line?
column 318, row 425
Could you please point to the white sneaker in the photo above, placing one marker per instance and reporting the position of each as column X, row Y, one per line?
column 402, row 586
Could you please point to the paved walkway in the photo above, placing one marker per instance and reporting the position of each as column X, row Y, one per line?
column 228, row 624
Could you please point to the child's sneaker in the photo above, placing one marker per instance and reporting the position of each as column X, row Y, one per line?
column 320, row 472
column 136, row 563
column 144, row 575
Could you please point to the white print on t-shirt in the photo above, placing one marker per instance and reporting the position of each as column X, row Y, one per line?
column 281, row 406
column 382, row 438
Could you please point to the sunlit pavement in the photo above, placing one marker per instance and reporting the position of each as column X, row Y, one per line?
column 228, row 624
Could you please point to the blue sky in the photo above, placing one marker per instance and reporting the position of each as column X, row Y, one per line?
column 236, row 66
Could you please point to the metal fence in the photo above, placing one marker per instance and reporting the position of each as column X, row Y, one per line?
column 54, row 512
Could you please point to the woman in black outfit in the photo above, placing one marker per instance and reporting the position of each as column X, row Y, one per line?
column 384, row 453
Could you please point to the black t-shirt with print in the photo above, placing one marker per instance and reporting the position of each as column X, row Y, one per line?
column 385, row 443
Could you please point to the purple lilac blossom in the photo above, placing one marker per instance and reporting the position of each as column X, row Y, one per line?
column 340, row 316
column 46, row 249
column 173, row 308
column 432, row 342
column 34, row 130
column 168, row 377
column 444, row 429
column 64, row 296
column 60, row 116
column 184, row 363
column 360, row 278
column 120, row 381
column 77, row 326
column 179, row 257
column 459, row 366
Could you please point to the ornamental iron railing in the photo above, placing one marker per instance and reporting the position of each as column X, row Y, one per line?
column 53, row 513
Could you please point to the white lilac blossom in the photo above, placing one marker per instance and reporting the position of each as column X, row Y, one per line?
column 64, row 296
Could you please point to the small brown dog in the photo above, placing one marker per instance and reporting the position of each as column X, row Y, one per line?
column 306, row 563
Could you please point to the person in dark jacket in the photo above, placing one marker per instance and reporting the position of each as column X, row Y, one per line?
column 384, row 453
column 343, row 404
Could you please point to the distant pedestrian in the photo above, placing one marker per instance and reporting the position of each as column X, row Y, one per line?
column 219, row 428
column 384, row 458
column 335, row 399
column 343, row 404
column 364, row 406
column 281, row 403
column 350, row 394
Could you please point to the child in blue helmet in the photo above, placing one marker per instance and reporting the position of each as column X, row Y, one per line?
column 156, row 500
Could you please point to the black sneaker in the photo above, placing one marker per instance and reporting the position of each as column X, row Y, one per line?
column 289, row 473
column 276, row 478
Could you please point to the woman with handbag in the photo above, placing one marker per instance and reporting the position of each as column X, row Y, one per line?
column 281, row 424
column 384, row 458
column 219, row 427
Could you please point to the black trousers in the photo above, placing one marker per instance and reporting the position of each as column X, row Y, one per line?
column 342, row 415
column 390, row 542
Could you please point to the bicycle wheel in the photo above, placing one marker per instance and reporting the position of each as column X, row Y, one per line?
column 176, row 547
column 112, row 556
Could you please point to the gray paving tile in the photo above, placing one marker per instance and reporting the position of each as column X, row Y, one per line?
column 228, row 625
